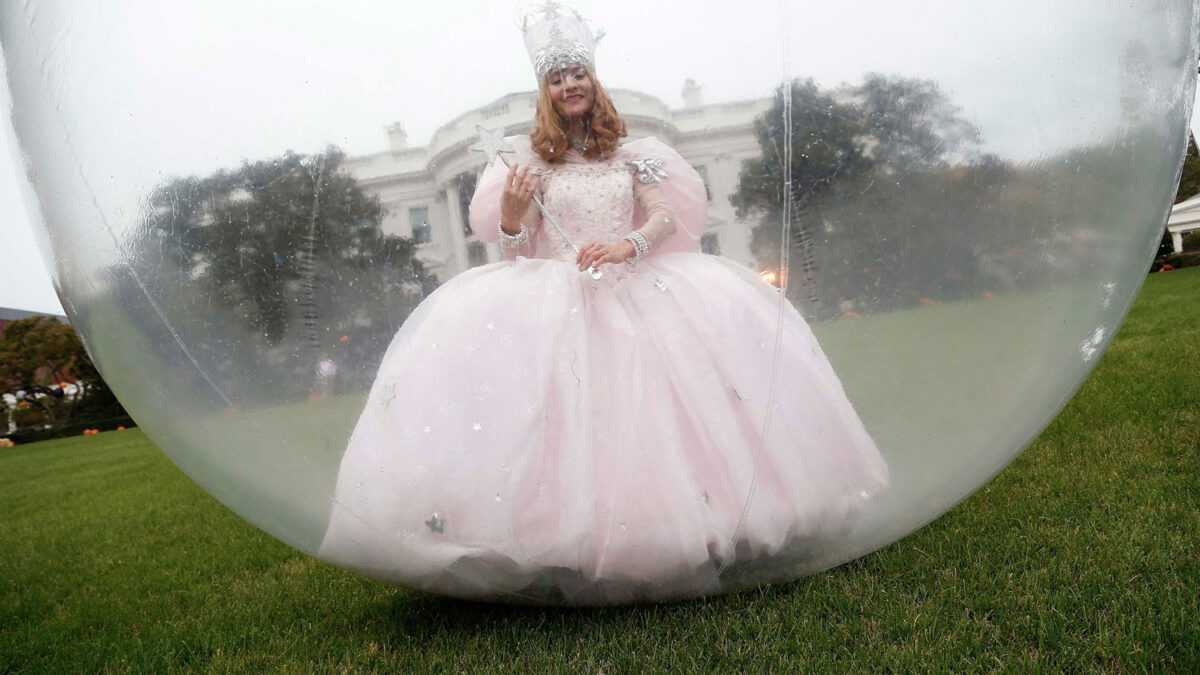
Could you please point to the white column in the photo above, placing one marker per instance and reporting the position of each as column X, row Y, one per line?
column 493, row 252
column 1177, row 241
column 458, row 241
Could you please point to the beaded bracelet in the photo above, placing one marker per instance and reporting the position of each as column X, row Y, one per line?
column 512, row 240
column 640, row 246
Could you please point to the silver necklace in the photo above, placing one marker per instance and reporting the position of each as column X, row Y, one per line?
column 582, row 146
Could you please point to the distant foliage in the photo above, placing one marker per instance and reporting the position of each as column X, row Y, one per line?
column 272, row 239
column 282, row 261
column 894, row 203
column 38, row 356
column 881, row 175
column 1176, row 261
column 1189, row 180
column 1191, row 241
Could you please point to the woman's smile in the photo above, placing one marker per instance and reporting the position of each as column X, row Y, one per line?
column 572, row 91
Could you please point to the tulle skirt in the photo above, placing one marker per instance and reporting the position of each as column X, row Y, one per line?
column 533, row 434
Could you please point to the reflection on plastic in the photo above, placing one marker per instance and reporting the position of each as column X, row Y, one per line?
column 969, row 217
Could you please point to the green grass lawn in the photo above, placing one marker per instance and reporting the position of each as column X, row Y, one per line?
column 1082, row 555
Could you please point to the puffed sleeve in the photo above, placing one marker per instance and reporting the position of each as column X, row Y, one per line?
column 485, row 205
column 672, row 205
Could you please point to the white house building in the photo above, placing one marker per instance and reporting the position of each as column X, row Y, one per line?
column 426, row 190
column 1185, row 218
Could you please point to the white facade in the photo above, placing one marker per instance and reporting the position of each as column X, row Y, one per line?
column 422, row 184
column 1185, row 218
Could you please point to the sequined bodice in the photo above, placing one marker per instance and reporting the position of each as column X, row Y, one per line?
column 591, row 201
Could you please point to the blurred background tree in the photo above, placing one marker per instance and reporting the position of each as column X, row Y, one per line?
column 282, row 258
column 881, row 176
column 1189, row 179
column 47, row 371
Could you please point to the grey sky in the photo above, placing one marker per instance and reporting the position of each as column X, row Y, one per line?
column 185, row 88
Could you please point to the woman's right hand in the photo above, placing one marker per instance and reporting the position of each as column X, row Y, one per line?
column 514, row 201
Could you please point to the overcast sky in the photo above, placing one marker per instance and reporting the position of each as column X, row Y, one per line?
column 186, row 88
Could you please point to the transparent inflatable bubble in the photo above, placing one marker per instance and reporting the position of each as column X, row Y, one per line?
column 918, row 229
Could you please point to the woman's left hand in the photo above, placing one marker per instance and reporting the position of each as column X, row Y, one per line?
column 597, row 253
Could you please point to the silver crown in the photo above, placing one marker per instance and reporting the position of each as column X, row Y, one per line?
column 557, row 37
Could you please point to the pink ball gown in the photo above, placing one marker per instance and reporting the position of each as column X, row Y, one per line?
column 537, row 435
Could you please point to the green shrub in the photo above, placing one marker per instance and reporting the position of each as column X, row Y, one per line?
column 99, row 409
column 1177, row 261
column 32, row 435
column 30, row 417
column 1191, row 241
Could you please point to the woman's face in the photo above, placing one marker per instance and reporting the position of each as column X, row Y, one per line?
column 572, row 91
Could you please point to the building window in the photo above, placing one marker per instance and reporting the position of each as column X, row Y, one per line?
column 476, row 254
column 466, row 190
column 422, row 233
column 709, row 244
column 703, row 171
column 496, row 110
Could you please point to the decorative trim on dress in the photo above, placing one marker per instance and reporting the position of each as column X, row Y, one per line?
column 648, row 171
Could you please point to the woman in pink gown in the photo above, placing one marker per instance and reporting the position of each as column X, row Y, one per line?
column 536, row 434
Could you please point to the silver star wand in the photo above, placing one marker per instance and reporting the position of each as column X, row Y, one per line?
column 492, row 144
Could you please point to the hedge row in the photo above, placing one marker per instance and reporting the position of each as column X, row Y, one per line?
column 73, row 429
column 1177, row 261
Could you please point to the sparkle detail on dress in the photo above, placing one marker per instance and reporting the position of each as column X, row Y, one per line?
column 436, row 524
column 596, row 198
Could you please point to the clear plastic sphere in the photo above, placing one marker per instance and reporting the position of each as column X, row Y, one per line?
column 243, row 203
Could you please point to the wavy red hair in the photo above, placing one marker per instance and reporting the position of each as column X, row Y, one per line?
column 549, row 136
